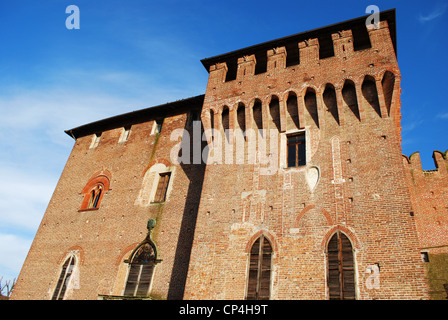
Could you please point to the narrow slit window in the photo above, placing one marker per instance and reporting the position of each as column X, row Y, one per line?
column 296, row 150
column 162, row 187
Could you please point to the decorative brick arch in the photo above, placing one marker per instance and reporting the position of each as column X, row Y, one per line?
column 285, row 95
column 236, row 105
column 252, row 101
column 214, row 110
column 352, row 237
column 104, row 180
column 153, row 162
column 125, row 252
column 269, row 98
column 80, row 255
column 267, row 235
column 321, row 210
column 349, row 79
column 324, row 86
column 227, row 106
column 380, row 74
column 304, row 88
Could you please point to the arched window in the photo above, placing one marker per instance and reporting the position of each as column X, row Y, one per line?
column 94, row 191
column 64, row 278
column 259, row 277
column 141, row 267
column 341, row 271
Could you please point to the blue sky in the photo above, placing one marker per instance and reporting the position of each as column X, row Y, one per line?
column 129, row 55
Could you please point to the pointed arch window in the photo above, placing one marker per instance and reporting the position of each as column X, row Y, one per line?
column 259, row 277
column 141, row 268
column 64, row 278
column 341, row 271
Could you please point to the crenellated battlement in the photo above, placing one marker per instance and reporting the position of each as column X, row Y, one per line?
column 414, row 164
column 306, row 50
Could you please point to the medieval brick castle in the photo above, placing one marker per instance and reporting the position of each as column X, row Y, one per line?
column 284, row 181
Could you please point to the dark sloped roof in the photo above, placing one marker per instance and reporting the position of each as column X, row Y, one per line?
column 139, row 116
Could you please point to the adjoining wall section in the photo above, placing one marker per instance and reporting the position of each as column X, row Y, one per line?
column 429, row 194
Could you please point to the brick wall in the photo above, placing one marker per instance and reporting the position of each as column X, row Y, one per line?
column 102, row 239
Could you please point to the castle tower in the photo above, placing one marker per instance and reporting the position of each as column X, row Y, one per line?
column 304, row 194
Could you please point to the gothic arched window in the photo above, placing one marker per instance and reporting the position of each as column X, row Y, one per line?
column 259, row 281
column 141, row 267
column 64, row 278
column 341, row 271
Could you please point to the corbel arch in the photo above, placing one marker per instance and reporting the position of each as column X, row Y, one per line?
column 293, row 110
column 370, row 93
column 311, row 103
column 350, row 97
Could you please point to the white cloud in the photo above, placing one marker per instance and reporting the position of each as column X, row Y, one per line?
column 443, row 115
column 437, row 12
column 24, row 195
column 13, row 251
